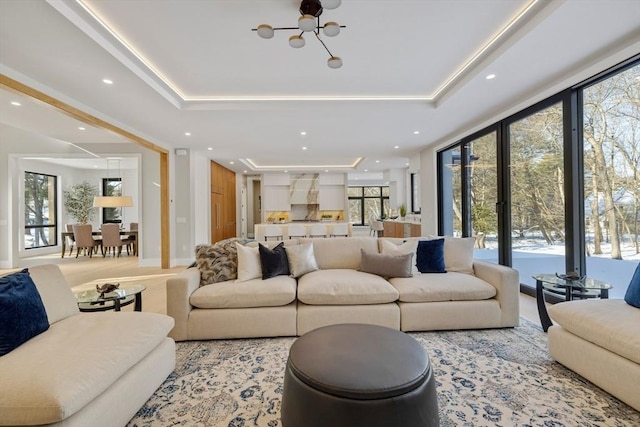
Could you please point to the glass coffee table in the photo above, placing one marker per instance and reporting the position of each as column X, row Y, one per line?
column 91, row 300
column 570, row 289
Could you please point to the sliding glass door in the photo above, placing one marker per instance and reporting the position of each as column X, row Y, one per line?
column 537, row 193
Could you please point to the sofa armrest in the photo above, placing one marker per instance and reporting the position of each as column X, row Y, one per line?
column 179, row 290
column 506, row 280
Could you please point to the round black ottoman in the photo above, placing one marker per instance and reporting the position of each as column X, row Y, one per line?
column 358, row 375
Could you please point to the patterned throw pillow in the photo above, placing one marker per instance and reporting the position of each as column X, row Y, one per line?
column 218, row 262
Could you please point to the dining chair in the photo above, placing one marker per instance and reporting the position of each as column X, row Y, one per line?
column 318, row 230
column 111, row 239
column 131, row 240
column 340, row 229
column 82, row 234
column 71, row 241
column 296, row 230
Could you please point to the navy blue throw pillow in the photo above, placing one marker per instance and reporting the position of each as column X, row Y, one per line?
column 274, row 262
column 430, row 256
column 632, row 297
column 22, row 314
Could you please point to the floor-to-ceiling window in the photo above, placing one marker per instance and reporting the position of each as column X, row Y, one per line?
column 483, row 194
column 611, row 146
column 450, row 203
column 40, row 207
column 564, row 178
column 112, row 187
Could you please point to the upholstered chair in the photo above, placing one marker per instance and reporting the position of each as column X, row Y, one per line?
column 296, row 230
column 111, row 239
column 71, row 241
column 274, row 231
column 318, row 230
column 82, row 234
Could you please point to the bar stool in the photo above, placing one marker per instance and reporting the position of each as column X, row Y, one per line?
column 296, row 230
column 340, row 229
column 318, row 230
column 272, row 231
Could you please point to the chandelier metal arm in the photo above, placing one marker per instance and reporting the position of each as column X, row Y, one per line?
column 296, row 28
column 324, row 45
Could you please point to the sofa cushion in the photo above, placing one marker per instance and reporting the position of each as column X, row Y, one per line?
column 432, row 287
column 273, row 292
column 608, row 323
column 344, row 287
column 393, row 246
column 301, row 259
column 386, row 265
column 248, row 263
column 341, row 252
column 632, row 296
column 430, row 256
column 458, row 254
column 55, row 292
column 57, row 373
column 218, row 262
column 22, row 313
column 274, row 262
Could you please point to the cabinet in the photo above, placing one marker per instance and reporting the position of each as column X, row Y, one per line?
column 223, row 203
column 276, row 198
column 401, row 229
column 332, row 198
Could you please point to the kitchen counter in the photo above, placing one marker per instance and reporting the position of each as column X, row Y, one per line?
column 259, row 228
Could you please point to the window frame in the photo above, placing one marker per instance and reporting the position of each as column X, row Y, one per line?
column 53, row 235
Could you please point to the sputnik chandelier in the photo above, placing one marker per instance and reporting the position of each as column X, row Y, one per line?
column 309, row 22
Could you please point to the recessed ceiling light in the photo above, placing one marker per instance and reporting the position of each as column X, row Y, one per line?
column 396, row 146
column 231, row 162
column 285, row 171
column 244, row 171
column 326, row 170
column 356, row 178
column 95, row 166
column 377, row 161
column 303, row 133
column 81, row 128
column 187, row 133
column 107, row 81
column 490, row 76
column 406, row 164
column 16, row 103
column 416, row 132
column 304, row 148
column 366, row 170
column 209, row 148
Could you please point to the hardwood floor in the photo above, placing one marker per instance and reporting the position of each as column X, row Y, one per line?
column 84, row 272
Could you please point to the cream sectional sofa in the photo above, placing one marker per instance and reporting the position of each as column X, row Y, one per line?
column 485, row 295
column 599, row 340
column 86, row 369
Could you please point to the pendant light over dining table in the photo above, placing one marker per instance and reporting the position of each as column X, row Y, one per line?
column 113, row 201
column 309, row 22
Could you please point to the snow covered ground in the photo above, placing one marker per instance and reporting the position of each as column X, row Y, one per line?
column 532, row 257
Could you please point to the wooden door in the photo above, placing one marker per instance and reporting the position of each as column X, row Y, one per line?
column 217, row 226
column 229, row 204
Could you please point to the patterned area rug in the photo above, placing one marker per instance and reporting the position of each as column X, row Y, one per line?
column 484, row 378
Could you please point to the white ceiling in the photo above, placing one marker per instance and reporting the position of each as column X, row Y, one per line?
column 195, row 66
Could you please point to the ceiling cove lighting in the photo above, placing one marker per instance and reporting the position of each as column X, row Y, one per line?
column 490, row 76
column 309, row 22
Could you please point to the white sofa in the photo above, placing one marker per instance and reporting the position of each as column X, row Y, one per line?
column 87, row 369
column 599, row 340
column 486, row 296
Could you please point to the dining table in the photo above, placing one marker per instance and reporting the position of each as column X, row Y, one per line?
column 133, row 233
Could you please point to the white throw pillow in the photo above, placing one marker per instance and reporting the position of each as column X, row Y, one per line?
column 248, row 263
column 458, row 254
column 388, row 247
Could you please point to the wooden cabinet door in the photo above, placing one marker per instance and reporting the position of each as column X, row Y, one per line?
column 229, row 217
column 217, row 225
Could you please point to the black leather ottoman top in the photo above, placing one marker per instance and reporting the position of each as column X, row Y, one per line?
column 359, row 361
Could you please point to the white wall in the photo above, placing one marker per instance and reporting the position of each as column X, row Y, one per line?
column 16, row 144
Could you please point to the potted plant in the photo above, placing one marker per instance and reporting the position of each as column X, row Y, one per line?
column 403, row 210
column 78, row 202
